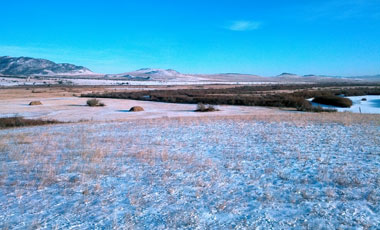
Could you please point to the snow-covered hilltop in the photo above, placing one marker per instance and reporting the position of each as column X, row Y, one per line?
column 34, row 66
column 157, row 75
column 43, row 70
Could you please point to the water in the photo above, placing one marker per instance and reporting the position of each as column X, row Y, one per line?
column 371, row 105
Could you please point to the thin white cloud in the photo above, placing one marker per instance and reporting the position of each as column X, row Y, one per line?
column 243, row 25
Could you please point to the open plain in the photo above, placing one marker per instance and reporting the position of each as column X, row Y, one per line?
column 170, row 167
column 150, row 115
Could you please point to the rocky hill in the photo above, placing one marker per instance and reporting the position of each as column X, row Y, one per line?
column 26, row 66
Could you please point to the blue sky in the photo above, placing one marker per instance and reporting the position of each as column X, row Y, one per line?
column 337, row 37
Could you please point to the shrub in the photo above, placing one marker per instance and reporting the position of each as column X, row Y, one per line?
column 94, row 102
column 205, row 108
column 333, row 100
column 201, row 107
column 10, row 122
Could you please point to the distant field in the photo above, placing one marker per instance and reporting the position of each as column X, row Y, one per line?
column 293, row 96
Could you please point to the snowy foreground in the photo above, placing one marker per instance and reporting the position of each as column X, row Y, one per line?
column 213, row 173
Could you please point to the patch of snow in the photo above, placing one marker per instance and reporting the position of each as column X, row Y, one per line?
column 370, row 105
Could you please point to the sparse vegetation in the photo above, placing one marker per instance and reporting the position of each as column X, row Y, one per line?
column 319, row 109
column 225, row 164
column 205, row 108
column 38, row 91
column 333, row 100
column 94, row 102
column 288, row 96
column 11, row 122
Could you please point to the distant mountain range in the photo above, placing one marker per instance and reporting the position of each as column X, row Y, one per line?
column 26, row 66
column 33, row 66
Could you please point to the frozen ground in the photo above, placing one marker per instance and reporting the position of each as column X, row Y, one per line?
column 371, row 105
column 75, row 109
column 206, row 173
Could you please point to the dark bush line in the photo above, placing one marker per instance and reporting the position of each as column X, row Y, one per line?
column 177, row 97
column 343, row 91
column 246, row 95
column 272, row 100
column 11, row 122
column 333, row 100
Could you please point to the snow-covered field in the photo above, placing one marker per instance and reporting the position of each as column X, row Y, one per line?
column 74, row 109
column 194, row 173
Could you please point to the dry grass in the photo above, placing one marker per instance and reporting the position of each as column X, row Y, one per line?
column 12, row 122
column 168, row 163
column 298, row 118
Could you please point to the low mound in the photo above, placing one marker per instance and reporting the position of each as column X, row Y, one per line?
column 35, row 103
column 333, row 100
column 136, row 109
